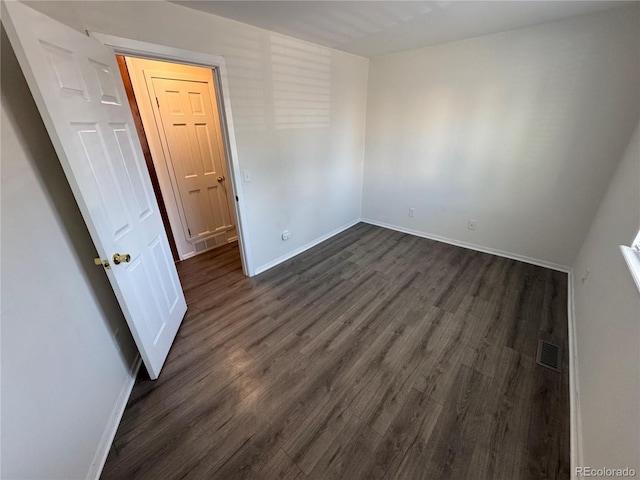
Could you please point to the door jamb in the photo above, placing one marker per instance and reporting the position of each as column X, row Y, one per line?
column 153, row 174
column 130, row 47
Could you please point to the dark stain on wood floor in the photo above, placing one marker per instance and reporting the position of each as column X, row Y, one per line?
column 372, row 355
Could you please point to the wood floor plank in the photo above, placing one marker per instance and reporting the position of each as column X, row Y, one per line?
column 375, row 354
column 282, row 467
column 316, row 433
column 350, row 453
column 407, row 428
column 414, row 462
column 548, row 439
column 497, row 453
column 459, row 426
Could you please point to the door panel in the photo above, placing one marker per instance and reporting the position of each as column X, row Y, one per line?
column 75, row 83
column 133, row 169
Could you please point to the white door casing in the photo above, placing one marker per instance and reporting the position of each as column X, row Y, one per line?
column 75, row 82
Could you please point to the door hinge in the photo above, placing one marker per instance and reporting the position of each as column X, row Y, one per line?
column 157, row 102
column 237, row 199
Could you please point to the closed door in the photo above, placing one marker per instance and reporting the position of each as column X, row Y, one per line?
column 75, row 82
column 196, row 155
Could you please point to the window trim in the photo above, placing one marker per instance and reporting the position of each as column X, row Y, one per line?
column 632, row 257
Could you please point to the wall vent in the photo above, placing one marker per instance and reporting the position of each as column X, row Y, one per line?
column 211, row 242
column 548, row 355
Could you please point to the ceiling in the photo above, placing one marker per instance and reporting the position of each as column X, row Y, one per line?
column 371, row 28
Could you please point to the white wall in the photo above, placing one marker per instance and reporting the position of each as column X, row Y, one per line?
column 607, row 316
column 62, row 372
column 299, row 112
column 520, row 131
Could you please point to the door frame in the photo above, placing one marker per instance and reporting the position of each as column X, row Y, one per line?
column 146, row 151
column 152, row 51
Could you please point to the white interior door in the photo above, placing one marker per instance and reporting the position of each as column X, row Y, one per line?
column 195, row 151
column 75, row 82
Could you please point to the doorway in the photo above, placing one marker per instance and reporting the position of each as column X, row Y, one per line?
column 216, row 64
column 178, row 120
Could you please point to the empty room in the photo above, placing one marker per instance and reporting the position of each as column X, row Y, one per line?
column 320, row 239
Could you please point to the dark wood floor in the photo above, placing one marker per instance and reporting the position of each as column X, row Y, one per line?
column 373, row 355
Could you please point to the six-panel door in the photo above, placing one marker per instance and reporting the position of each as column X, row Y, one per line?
column 75, row 82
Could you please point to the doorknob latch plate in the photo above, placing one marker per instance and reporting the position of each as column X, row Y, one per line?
column 100, row 262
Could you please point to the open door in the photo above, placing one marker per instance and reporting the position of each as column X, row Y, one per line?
column 76, row 84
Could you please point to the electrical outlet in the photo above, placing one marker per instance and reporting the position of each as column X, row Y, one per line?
column 285, row 235
column 472, row 224
column 412, row 212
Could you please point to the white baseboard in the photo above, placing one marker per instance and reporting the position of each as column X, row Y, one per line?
column 471, row 246
column 298, row 251
column 574, row 386
column 188, row 255
column 99, row 459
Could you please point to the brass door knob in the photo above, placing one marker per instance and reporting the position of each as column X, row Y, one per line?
column 118, row 259
column 221, row 179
